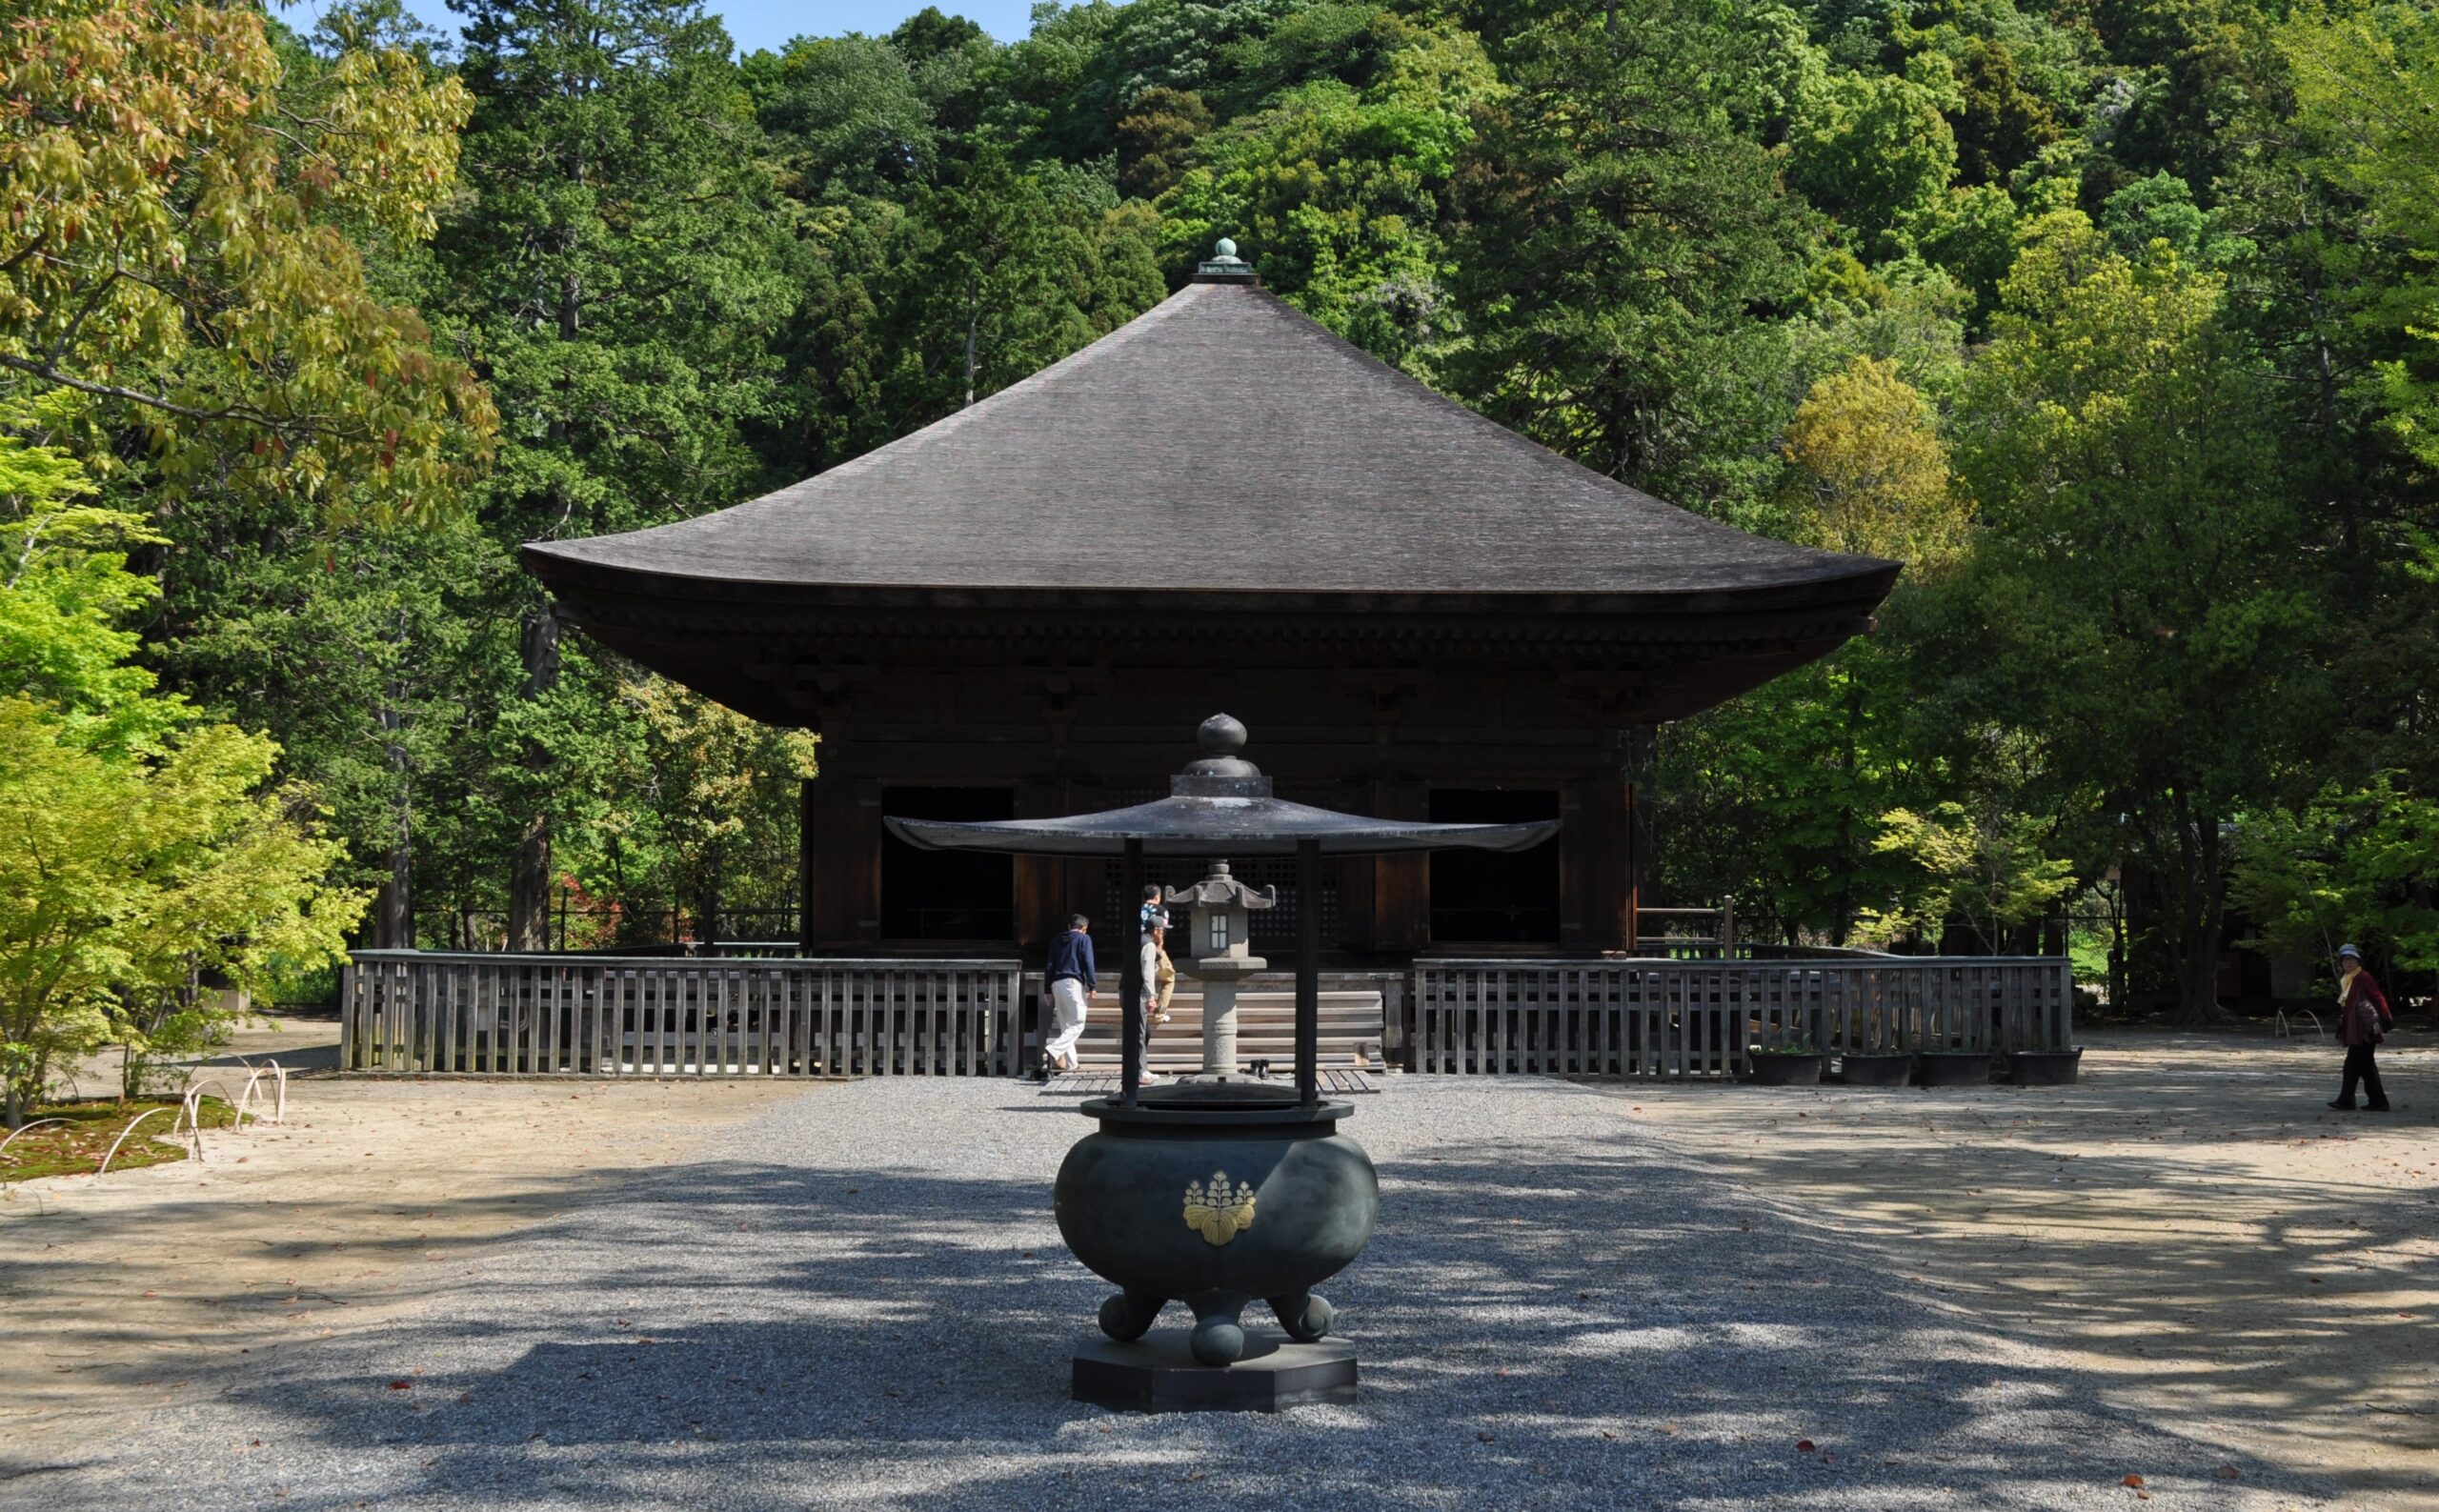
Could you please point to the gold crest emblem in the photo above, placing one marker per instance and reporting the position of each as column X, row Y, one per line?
column 1219, row 1214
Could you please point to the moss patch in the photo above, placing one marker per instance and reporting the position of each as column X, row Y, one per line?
column 77, row 1146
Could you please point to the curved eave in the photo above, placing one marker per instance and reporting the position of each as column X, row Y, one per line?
column 1200, row 827
column 632, row 595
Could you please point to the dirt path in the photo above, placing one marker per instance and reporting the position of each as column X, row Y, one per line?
column 2190, row 1223
column 128, row 1292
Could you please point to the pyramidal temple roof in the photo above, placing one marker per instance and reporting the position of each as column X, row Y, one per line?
column 1223, row 441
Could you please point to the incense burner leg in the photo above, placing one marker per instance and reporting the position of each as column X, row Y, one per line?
column 1128, row 1316
column 1218, row 1330
column 1306, row 1316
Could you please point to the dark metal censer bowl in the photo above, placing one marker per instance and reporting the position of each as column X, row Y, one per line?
column 1217, row 1200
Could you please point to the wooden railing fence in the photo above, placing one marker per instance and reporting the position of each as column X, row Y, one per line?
column 1697, row 1019
column 505, row 1014
column 432, row 1012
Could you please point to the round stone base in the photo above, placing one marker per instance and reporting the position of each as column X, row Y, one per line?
column 1159, row 1373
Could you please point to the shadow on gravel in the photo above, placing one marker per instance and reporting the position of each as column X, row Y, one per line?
column 2292, row 1315
column 1556, row 1316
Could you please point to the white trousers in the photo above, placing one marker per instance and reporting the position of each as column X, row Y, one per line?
column 1067, row 1020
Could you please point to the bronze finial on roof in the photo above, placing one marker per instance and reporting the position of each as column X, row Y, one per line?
column 1224, row 266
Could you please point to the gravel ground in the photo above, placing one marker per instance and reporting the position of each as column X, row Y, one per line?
column 857, row 1299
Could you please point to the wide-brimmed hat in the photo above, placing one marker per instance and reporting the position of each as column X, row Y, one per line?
column 2344, row 951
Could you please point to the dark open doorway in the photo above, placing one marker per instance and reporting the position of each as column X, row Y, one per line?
column 946, row 895
column 1490, row 898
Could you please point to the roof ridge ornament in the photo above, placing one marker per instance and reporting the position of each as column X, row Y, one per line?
column 1224, row 266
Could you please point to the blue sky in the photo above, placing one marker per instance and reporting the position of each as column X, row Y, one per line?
column 771, row 23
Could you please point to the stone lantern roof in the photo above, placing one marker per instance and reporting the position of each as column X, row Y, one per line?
column 1219, row 889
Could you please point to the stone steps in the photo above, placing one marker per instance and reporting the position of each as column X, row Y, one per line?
column 1349, row 1035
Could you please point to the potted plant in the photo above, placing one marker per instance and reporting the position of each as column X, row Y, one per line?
column 1952, row 1068
column 2044, row 1068
column 1875, row 1068
column 1791, row 1062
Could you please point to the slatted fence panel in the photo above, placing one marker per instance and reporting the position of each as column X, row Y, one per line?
column 498, row 1015
column 1676, row 1018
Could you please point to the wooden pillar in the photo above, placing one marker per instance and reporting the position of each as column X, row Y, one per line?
column 1637, row 858
column 1635, row 783
column 841, row 817
column 808, row 865
column 1353, row 877
column 1082, row 879
column 1401, row 884
column 1596, row 864
column 1041, row 880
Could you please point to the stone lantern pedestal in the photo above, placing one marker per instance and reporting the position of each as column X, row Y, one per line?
column 1221, row 938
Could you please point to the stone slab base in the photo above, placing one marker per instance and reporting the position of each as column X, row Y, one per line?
column 1159, row 1373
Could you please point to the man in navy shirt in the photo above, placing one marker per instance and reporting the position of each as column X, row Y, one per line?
column 1071, row 983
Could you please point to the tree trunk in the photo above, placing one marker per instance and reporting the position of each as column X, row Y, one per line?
column 2195, row 913
column 528, row 878
column 972, row 316
column 529, row 888
column 2119, row 979
column 393, row 915
column 1848, row 863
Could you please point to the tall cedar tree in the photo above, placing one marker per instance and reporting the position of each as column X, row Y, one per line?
column 618, row 266
column 1629, row 242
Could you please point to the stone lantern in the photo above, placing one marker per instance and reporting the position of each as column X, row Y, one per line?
column 1220, row 941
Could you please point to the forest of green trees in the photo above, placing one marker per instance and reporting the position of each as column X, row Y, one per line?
column 2114, row 319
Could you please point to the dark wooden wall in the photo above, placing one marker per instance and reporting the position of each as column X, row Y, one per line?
column 1085, row 698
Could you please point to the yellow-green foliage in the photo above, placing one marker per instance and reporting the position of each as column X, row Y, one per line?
column 138, row 844
column 64, row 593
column 1869, row 471
column 2370, row 81
column 174, row 241
column 1986, row 866
column 708, row 789
column 120, row 876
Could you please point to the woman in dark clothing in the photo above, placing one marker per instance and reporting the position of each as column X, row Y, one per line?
column 2362, row 1013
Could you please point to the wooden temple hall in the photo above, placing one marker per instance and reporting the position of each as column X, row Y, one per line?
column 1025, row 610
